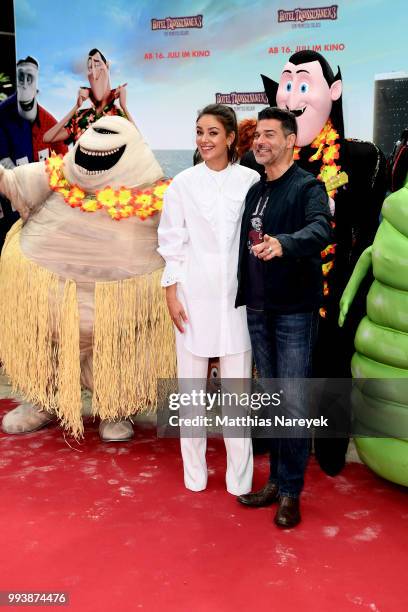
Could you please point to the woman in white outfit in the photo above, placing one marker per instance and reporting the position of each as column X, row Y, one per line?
column 199, row 239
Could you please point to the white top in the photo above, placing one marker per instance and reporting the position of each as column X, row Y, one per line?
column 199, row 239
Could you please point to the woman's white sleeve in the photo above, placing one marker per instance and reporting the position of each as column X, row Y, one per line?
column 173, row 236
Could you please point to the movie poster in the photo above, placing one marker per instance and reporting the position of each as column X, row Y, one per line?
column 178, row 56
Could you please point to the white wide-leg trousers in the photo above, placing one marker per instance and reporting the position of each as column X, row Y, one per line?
column 193, row 449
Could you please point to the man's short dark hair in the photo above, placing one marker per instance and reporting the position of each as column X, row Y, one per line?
column 285, row 117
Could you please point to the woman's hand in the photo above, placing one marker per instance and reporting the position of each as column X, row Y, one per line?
column 176, row 308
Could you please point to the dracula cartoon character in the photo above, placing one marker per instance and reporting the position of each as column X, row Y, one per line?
column 355, row 176
column 23, row 123
column 102, row 102
column 81, row 275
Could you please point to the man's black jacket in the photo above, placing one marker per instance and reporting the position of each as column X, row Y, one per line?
column 298, row 215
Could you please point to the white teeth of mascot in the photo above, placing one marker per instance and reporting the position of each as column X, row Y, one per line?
column 98, row 152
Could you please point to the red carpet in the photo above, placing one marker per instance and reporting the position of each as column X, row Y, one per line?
column 114, row 526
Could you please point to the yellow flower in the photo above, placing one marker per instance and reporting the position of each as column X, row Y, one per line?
column 53, row 182
column 318, row 153
column 127, row 211
column 76, row 195
column 55, row 162
column 106, row 197
column 125, row 196
column 90, row 206
column 327, row 267
column 113, row 212
column 160, row 189
column 142, row 213
column 332, row 136
column 157, row 205
column 327, row 136
column 329, row 250
column 316, row 142
column 144, row 199
column 331, row 153
column 328, row 172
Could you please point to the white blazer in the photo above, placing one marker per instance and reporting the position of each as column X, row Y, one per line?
column 199, row 235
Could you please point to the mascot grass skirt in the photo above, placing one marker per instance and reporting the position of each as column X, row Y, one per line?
column 48, row 353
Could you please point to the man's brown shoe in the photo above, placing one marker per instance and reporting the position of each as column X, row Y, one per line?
column 265, row 497
column 288, row 514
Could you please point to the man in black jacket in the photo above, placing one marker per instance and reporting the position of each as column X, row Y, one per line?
column 285, row 226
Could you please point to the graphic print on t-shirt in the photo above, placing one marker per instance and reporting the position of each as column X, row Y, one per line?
column 255, row 267
column 255, row 235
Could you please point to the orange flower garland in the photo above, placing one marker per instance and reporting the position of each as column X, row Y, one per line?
column 328, row 150
column 119, row 204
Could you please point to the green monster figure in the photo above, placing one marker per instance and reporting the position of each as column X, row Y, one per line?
column 381, row 341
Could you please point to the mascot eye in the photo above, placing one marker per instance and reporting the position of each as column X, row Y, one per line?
column 288, row 86
column 304, row 88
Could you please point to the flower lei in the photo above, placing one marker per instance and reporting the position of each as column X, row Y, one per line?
column 328, row 150
column 119, row 204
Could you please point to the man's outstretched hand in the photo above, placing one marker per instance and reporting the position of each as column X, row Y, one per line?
column 268, row 249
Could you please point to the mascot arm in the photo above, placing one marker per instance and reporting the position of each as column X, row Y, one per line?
column 25, row 186
column 359, row 273
column 173, row 236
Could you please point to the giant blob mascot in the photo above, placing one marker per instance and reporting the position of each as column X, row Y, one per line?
column 380, row 401
column 80, row 275
column 354, row 173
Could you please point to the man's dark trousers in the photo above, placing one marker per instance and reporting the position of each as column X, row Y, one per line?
column 282, row 346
